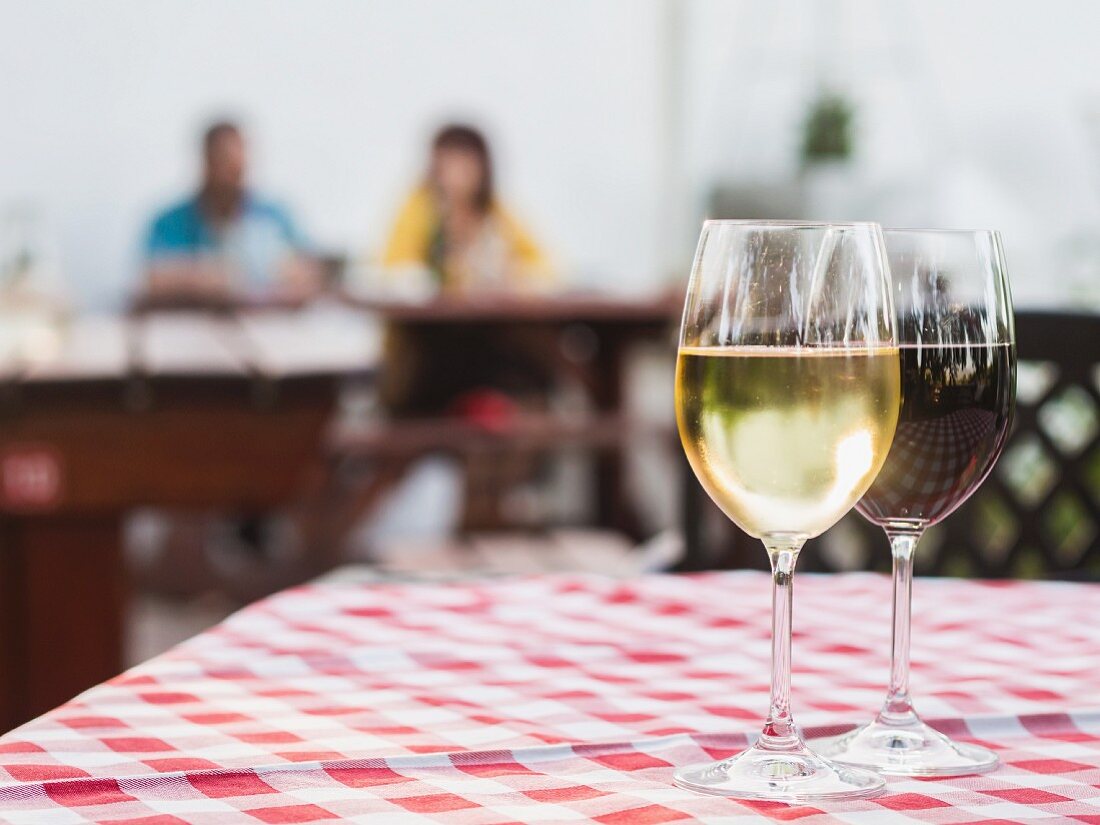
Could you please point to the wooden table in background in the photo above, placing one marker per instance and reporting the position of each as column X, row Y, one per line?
column 227, row 411
column 586, row 337
column 181, row 410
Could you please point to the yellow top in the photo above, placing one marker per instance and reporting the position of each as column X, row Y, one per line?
column 503, row 255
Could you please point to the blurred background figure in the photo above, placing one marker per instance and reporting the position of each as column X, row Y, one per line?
column 455, row 226
column 226, row 240
column 454, row 232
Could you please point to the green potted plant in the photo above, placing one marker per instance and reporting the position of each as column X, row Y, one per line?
column 825, row 154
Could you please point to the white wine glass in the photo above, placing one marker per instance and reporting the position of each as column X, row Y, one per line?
column 958, row 372
column 787, row 395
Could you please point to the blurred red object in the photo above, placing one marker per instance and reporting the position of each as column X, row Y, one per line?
column 30, row 477
column 487, row 408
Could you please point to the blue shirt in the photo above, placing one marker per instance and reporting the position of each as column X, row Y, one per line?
column 251, row 246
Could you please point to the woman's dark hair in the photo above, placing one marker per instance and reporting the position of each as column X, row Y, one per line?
column 458, row 136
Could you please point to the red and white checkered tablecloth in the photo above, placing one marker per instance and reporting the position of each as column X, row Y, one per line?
column 563, row 699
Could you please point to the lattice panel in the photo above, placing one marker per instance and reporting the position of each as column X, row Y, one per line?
column 1036, row 515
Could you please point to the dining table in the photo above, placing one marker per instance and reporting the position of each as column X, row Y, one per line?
column 565, row 698
column 104, row 414
column 580, row 343
column 242, row 408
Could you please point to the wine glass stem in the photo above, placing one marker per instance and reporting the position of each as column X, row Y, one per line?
column 780, row 732
column 898, row 707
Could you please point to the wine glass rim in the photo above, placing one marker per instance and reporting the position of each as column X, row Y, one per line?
column 790, row 224
column 925, row 230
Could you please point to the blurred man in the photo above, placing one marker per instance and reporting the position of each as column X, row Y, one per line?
column 225, row 240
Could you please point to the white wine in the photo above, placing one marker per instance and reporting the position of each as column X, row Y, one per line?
column 786, row 440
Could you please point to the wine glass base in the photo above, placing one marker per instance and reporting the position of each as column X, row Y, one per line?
column 780, row 776
column 912, row 749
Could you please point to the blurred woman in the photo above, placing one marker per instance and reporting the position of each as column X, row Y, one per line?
column 454, row 226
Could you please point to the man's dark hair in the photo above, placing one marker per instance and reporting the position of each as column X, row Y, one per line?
column 217, row 130
column 467, row 138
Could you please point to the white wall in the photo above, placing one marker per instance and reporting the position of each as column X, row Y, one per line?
column 101, row 103
column 970, row 113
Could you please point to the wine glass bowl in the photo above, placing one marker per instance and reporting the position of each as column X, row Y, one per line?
column 787, row 396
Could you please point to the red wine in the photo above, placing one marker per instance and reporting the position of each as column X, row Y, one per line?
column 957, row 403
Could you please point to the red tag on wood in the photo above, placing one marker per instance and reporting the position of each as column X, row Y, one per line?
column 30, row 477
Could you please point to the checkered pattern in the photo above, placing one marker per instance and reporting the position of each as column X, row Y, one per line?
column 562, row 699
column 929, row 461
